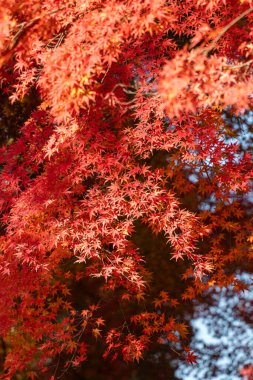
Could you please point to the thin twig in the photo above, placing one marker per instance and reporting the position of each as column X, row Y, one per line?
column 24, row 27
column 240, row 65
column 74, row 354
column 176, row 352
column 125, row 103
column 106, row 72
column 122, row 85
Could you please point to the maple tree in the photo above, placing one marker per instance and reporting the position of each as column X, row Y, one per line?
column 125, row 125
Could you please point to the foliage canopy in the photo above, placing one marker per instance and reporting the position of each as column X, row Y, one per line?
column 119, row 129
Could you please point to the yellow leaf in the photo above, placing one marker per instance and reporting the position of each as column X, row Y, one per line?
column 96, row 333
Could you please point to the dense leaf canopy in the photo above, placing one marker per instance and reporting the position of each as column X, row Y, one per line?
column 125, row 177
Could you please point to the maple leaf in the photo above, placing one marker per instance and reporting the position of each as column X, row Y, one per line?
column 100, row 321
column 191, row 357
column 182, row 329
column 96, row 332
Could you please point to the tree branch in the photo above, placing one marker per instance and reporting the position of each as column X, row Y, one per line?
column 240, row 65
column 226, row 28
